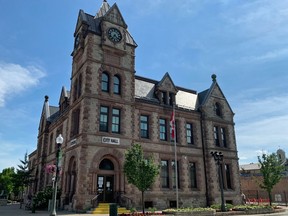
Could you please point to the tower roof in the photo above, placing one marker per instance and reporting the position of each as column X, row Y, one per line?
column 103, row 9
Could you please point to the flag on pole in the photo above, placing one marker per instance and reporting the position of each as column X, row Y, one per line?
column 172, row 125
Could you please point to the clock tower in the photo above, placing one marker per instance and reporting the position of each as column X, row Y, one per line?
column 102, row 42
column 102, row 88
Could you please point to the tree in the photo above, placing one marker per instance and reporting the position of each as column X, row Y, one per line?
column 140, row 171
column 6, row 181
column 23, row 177
column 272, row 171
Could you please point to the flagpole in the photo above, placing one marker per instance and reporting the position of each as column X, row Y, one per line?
column 175, row 155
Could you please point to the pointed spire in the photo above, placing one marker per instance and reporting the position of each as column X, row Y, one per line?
column 103, row 9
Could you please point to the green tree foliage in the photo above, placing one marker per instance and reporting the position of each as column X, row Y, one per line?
column 23, row 177
column 6, row 181
column 272, row 172
column 140, row 171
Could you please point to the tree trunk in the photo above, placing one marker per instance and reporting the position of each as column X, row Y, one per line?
column 143, row 204
column 270, row 197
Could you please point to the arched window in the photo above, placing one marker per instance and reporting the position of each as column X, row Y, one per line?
column 218, row 109
column 71, row 178
column 105, row 82
column 106, row 164
column 116, row 85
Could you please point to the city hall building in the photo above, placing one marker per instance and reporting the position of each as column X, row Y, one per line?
column 108, row 108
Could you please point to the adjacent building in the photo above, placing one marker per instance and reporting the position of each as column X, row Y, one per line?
column 108, row 108
column 251, row 176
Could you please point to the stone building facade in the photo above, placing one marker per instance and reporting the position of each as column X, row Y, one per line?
column 109, row 107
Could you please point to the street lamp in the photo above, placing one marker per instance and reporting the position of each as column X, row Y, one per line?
column 218, row 157
column 59, row 141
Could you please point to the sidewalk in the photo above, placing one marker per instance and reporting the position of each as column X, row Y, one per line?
column 14, row 209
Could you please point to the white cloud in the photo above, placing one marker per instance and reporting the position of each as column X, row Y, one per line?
column 261, row 125
column 271, row 55
column 259, row 16
column 16, row 78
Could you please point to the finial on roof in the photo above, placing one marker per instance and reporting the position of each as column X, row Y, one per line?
column 46, row 98
column 104, row 1
column 214, row 77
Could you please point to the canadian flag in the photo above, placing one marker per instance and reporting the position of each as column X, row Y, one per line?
column 172, row 125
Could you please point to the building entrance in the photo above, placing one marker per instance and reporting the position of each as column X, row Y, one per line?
column 105, row 188
column 105, row 181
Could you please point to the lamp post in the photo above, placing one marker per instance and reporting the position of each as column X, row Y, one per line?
column 218, row 157
column 59, row 141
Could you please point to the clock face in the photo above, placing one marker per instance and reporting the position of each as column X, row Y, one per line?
column 114, row 35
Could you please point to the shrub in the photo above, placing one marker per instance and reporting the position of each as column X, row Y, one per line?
column 218, row 206
column 187, row 210
column 42, row 197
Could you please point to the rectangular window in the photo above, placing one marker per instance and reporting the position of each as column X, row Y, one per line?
column 75, row 122
column 163, row 131
column 223, row 137
column 171, row 99
column 115, row 120
column 193, row 176
column 164, row 174
column 189, row 133
column 174, row 174
column 216, row 136
column 104, row 112
column 144, row 126
column 51, row 143
column 164, row 97
column 220, row 136
column 228, row 176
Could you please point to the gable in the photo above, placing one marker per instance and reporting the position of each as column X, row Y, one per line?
column 63, row 96
column 212, row 98
column 114, row 16
column 82, row 18
column 166, row 84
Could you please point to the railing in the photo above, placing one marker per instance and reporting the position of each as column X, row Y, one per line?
column 94, row 201
column 123, row 200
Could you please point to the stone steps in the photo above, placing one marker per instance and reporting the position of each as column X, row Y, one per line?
column 103, row 208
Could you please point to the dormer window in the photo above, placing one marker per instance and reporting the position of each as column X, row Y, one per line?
column 217, row 109
column 171, row 98
column 167, row 98
column 164, row 97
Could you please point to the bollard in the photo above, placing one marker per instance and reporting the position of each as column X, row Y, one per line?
column 33, row 207
column 113, row 210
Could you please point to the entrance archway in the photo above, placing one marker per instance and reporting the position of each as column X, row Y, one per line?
column 105, row 181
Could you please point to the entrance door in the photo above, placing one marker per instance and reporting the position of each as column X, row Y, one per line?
column 105, row 187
